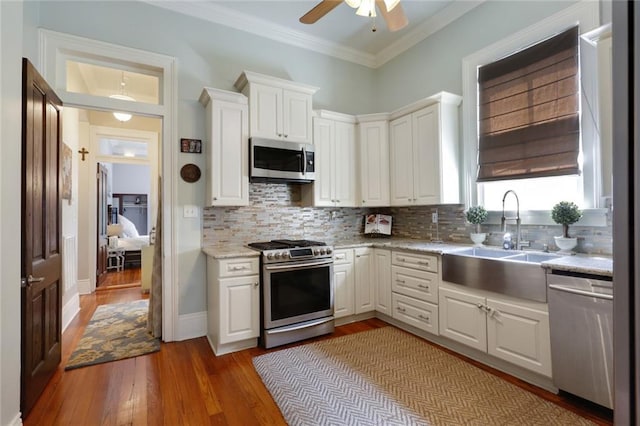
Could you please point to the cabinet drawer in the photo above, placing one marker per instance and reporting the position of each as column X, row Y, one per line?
column 417, row 261
column 419, row 284
column 343, row 256
column 239, row 267
column 422, row 315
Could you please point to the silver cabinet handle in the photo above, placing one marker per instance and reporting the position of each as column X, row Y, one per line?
column 423, row 286
column 401, row 309
column 256, row 284
column 423, row 263
column 401, row 259
column 422, row 317
column 400, row 281
column 580, row 292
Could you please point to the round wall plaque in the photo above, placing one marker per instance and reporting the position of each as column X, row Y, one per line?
column 190, row 173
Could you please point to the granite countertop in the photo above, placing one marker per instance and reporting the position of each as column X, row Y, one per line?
column 229, row 250
column 582, row 263
column 596, row 265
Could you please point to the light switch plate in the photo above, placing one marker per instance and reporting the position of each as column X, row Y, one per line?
column 190, row 211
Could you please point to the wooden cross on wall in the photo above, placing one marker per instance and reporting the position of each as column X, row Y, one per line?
column 84, row 152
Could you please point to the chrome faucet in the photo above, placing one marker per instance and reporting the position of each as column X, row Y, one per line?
column 506, row 240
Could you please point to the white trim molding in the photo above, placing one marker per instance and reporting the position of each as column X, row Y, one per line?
column 70, row 310
column 586, row 13
column 191, row 326
column 55, row 49
column 215, row 13
column 84, row 286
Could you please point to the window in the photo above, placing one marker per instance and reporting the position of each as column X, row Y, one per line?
column 529, row 112
column 539, row 193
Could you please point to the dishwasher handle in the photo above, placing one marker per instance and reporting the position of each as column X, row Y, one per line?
column 580, row 292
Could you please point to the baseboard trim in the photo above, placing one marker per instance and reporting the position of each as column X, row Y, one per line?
column 191, row 326
column 17, row 420
column 70, row 310
column 84, row 286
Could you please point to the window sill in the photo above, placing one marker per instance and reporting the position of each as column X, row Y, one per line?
column 590, row 217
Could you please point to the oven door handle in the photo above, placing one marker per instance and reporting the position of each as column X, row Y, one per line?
column 297, row 266
column 299, row 326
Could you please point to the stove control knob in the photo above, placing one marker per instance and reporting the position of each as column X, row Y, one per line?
column 322, row 251
column 328, row 251
column 270, row 256
column 316, row 252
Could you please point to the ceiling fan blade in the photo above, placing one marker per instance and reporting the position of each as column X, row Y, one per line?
column 321, row 9
column 396, row 18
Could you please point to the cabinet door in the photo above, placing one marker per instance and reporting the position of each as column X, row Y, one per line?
column 344, row 284
column 364, row 285
column 296, row 116
column 266, row 111
column 382, row 278
column 228, row 155
column 462, row 318
column 426, row 155
column 239, row 308
column 520, row 335
column 323, row 131
column 401, row 167
column 344, row 164
column 374, row 163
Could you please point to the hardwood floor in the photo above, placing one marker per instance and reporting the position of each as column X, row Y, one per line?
column 126, row 278
column 185, row 384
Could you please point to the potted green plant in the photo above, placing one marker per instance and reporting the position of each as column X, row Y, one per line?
column 477, row 215
column 566, row 213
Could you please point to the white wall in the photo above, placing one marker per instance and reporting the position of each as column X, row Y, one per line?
column 71, row 137
column 131, row 179
column 11, row 19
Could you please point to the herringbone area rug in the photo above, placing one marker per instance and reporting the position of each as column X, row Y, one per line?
column 389, row 377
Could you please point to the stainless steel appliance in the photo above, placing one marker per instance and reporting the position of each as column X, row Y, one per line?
column 297, row 290
column 581, row 322
column 278, row 161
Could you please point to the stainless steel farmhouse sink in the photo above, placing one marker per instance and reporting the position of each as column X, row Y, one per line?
column 516, row 274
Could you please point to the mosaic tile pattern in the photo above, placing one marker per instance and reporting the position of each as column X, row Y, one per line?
column 275, row 211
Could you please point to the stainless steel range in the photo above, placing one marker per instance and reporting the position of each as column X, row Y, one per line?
column 297, row 290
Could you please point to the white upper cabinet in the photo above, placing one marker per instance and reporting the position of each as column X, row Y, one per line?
column 334, row 136
column 227, row 150
column 424, row 166
column 278, row 109
column 373, row 143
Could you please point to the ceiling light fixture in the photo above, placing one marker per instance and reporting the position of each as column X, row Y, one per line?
column 122, row 116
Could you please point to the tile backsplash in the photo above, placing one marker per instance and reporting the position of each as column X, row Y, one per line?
column 275, row 211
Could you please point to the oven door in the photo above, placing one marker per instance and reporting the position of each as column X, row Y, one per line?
column 297, row 291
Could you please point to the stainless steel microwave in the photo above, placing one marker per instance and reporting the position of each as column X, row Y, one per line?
column 279, row 161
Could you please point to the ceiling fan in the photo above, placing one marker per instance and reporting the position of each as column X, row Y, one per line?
column 391, row 11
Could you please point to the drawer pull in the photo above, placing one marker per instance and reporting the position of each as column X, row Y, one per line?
column 423, row 286
column 238, row 268
column 422, row 262
column 400, row 281
column 422, row 317
column 401, row 309
column 402, row 259
column 256, row 284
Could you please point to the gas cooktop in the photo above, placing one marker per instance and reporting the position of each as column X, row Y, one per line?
column 284, row 244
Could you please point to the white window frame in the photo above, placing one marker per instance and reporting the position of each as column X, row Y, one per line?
column 586, row 14
column 55, row 49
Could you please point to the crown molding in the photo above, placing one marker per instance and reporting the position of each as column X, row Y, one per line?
column 432, row 25
column 212, row 12
column 221, row 15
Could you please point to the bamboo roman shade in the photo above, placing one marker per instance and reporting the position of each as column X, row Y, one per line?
column 529, row 112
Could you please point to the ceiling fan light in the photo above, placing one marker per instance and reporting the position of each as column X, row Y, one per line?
column 391, row 4
column 367, row 8
column 353, row 3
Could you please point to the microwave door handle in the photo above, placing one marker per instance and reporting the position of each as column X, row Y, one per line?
column 304, row 161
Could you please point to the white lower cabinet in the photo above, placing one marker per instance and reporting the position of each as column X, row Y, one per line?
column 514, row 330
column 354, row 281
column 343, row 283
column 414, row 285
column 382, row 277
column 233, row 304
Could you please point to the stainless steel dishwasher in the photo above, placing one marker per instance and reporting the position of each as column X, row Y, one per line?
column 581, row 323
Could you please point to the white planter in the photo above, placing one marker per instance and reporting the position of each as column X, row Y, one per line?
column 566, row 244
column 478, row 238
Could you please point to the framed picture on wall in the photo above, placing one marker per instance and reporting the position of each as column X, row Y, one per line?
column 192, row 146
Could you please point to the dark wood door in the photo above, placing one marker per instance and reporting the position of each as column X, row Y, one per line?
column 41, row 236
column 101, row 261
